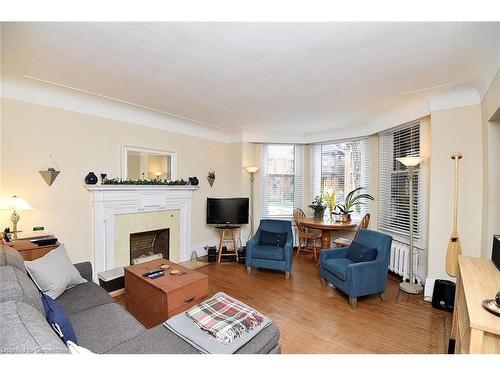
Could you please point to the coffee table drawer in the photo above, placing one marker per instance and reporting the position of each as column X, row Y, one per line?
column 188, row 296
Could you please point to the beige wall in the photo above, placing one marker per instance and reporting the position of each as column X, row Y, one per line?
column 457, row 129
column 81, row 143
column 491, row 155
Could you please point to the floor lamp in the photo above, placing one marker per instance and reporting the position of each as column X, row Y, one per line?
column 411, row 162
column 252, row 171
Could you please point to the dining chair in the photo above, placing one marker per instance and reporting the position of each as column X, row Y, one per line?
column 306, row 234
column 344, row 242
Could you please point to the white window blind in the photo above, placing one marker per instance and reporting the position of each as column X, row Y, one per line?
column 344, row 166
column 282, row 178
column 394, row 211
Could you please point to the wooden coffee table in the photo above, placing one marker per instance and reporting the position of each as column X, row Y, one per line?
column 152, row 301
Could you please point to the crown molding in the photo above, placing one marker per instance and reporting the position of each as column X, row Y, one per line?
column 454, row 97
column 55, row 96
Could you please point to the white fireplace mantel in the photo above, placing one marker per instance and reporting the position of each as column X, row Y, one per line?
column 111, row 200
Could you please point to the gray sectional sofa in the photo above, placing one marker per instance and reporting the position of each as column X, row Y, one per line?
column 100, row 324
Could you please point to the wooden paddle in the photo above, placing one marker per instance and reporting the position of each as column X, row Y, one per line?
column 454, row 247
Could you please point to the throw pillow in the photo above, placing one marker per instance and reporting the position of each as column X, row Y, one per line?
column 58, row 319
column 53, row 273
column 360, row 253
column 272, row 239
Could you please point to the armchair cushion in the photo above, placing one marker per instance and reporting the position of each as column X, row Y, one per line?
column 360, row 253
column 272, row 239
column 268, row 252
column 337, row 266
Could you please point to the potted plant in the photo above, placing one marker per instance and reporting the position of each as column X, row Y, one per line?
column 318, row 206
column 211, row 177
column 352, row 199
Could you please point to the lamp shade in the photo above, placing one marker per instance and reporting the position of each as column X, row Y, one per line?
column 15, row 203
column 410, row 161
column 251, row 169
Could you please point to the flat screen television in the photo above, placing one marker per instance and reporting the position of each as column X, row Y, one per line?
column 495, row 252
column 227, row 211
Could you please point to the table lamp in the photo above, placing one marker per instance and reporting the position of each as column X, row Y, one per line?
column 16, row 204
column 411, row 162
column 252, row 170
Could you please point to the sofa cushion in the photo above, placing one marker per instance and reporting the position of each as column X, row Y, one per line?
column 272, row 239
column 268, row 252
column 53, row 273
column 58, row 320
column 337, row 266
column 11, row 257
column 16, row 286
column 360, row 253
column 101, row 328
column 159, row 340
column 24, row 330
column 83, row 297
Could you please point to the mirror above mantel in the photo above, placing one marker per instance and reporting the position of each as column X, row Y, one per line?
column 149, row 164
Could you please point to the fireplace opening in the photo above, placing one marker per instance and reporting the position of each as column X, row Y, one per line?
column 146, row 246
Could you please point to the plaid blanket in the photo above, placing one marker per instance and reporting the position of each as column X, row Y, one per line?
column 224, row 318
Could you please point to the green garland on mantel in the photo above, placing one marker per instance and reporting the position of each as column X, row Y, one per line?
column 119, row 181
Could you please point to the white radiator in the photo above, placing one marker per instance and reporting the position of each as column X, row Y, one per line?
column 399, row 260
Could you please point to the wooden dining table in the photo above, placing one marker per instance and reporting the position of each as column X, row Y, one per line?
column 327, row 226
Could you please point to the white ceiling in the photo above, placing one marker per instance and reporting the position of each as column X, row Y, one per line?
column 263, row 78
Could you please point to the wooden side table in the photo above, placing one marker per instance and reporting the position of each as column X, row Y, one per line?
column 29, row 250
column 231, row 231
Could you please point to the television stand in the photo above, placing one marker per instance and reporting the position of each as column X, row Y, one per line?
column 227, row 227
column 227, row 234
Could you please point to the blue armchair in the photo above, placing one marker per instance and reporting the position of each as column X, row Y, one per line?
column 358, row 279
column 271, row 257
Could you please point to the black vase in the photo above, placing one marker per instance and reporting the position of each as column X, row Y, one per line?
column 194, row 181
column 91, row 179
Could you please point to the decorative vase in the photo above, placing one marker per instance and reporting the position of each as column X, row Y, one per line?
column 194, row 181
column 103, row 177
column 210, row 181
column 91, row 179
column 319, row 214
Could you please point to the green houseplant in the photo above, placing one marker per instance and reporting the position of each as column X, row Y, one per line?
column 352, row 200
column 318, row 206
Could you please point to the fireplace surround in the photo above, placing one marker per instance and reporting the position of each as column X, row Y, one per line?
column 143, row 208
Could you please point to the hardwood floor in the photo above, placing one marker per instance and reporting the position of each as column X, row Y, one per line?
column 317, row 319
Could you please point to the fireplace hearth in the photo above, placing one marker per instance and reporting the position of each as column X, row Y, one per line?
column 149, row 245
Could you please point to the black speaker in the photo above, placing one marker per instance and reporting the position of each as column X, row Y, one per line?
column 212, row 254
column 443, row 295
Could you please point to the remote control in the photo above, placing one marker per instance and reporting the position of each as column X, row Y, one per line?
column 152, row 272
column 156, row 275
